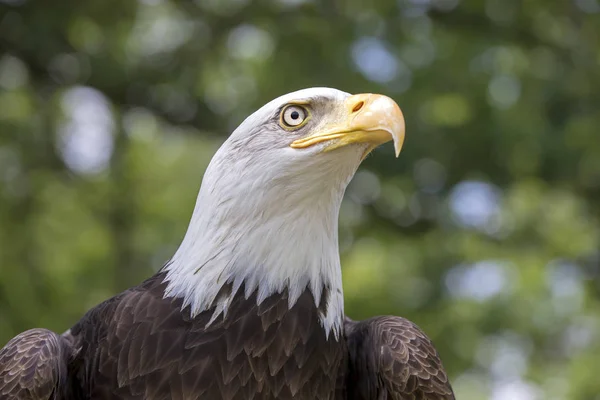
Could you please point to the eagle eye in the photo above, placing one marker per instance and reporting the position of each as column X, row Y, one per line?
column 293, row 116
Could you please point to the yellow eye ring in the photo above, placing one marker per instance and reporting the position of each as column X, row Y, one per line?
column 293, row 116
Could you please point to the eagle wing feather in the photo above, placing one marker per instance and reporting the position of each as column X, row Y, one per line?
column 33, row 365
column 391, row 358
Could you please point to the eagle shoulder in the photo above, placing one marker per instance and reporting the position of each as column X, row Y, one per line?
column 392, row 358
column 33, row 365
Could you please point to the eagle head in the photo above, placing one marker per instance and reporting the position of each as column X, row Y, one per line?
column 267, row 211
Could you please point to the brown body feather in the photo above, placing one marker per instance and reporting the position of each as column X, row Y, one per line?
column 142, row 346
column 390, row 358
column 139, row 345
column 33, row 365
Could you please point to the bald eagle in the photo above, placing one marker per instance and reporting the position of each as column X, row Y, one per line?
column 251, row 304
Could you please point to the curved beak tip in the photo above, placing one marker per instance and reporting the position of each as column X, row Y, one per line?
column 397, row 147
column 398, row 138
column 392, row 119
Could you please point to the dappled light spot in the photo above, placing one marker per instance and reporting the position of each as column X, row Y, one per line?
column 516, row 390
column 13, row 72
column 501, row 12
column 140, row 123
column 565, row 281
column 249, row 42
column 479, row 281
column 504, row 91
column 159, row 29
column 419, row 54
column 506, row 355
column 502, row 61
column 476, row 205
column 86, row 138
column 375, row 61
column 472, row 385
column 581, row 334
column 85, row 35
column 554, row 28
column 588, row 6
column 15, row 105
column 450, row 109
column 230, row 87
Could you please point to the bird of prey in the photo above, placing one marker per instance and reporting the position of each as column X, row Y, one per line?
column 251, row 304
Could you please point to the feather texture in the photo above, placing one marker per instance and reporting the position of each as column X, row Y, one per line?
column 140, row 345
column 33, row 365
column 390, row 358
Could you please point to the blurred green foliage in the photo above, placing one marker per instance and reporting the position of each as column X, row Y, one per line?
column 485, row 231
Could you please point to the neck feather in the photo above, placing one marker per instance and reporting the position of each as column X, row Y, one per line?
column 263, row 243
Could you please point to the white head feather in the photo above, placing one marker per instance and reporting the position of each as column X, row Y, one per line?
column 267, row 217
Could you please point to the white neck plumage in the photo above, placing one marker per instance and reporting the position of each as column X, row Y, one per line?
column 267, row 240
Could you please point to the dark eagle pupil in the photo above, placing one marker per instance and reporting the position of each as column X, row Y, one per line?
column 295, row 115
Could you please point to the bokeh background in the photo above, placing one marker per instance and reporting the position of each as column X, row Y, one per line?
column 485, row 231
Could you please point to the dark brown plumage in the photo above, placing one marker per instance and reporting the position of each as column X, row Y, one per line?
column 139, row 345
column 33, row 365
column 391, row 358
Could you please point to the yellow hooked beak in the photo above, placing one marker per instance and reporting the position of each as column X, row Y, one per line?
column 368, row 118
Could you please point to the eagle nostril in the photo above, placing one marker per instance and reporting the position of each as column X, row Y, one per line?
column 358, row 106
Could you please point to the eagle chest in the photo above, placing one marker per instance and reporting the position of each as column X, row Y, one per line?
column 273, row 352
column 260, row 352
